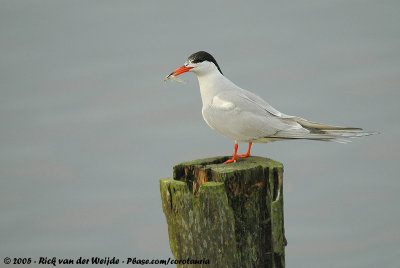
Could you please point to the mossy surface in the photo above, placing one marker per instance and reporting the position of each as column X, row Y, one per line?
column 231, row 214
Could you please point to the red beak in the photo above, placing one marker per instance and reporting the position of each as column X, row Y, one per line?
column 181, row 70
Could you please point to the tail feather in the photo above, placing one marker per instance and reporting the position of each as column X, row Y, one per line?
column 343, row 136
column 333, row 133
column 318, row 131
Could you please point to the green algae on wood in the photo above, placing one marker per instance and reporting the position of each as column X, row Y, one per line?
column 231, row 214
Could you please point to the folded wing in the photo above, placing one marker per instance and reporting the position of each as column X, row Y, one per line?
column 244, row 116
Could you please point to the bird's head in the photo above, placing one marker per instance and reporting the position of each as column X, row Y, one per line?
column 199, row 63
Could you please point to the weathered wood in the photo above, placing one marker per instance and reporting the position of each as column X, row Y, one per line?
column 231, row 214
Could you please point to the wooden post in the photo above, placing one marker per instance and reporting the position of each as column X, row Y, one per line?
column 230, row 214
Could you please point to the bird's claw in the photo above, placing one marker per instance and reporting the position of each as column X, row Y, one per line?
column 234, row 159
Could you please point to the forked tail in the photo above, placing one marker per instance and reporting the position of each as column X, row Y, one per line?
column 332, row 133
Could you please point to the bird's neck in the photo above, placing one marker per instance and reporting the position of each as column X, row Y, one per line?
column 211, row 84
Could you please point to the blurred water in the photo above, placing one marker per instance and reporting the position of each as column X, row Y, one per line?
column 88, row 126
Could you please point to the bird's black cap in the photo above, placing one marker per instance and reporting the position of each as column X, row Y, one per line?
column 203, row 56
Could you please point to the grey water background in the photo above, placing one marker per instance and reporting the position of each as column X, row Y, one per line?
column 88, row 127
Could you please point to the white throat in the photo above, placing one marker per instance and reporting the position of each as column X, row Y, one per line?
column 211, row 84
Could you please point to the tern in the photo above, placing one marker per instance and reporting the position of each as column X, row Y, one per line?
column 243, row 116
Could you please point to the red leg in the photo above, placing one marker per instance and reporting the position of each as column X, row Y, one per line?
column 234, row 158
column 248, row 152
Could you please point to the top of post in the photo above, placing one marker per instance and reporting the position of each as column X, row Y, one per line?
column 197, row 172
column 216, row 164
